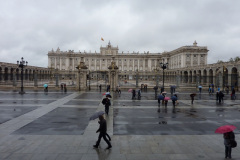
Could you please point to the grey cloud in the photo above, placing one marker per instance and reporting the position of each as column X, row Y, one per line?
column 31, row 28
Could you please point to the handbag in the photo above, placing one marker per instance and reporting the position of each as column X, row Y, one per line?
column 233, row 143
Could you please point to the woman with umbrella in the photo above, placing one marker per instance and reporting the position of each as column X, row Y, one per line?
column 166, row 101
column 174, row 99
column 229, row 138
column 160, row 98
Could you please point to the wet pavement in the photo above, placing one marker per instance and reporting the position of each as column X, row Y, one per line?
column 56, row 125
column 60, row 121
column 9, row 112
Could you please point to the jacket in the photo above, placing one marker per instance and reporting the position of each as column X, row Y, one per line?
column 228, row 137
column 103, row 126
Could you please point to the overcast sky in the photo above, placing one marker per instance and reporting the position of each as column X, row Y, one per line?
column 32, row 28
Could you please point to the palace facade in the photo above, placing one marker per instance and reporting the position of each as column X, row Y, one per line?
column 186, row 56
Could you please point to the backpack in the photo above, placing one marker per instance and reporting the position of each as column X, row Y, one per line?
column 104, row 101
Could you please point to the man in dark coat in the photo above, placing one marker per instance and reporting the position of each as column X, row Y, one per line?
column 220, row 96
column 107, row 104
column 102, row 132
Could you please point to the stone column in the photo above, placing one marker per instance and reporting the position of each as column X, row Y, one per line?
column 14, row 78
column 57, row 78
column 214, row 77
column 229, row 76
column 177, row 79
column 207, row 78
column 220, row 79
column 35, row 79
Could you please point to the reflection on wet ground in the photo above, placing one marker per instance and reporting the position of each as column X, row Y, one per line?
column 172, row 121
column 61, row 121
column 181, row 96
column 90, row 96
column 9, row 112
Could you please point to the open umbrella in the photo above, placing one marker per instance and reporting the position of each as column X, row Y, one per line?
column 96, row 115
column 161, row 97
column 199, row 86
column 225, row 129
column 193, row 95
column 166, row 98
column 106, row 93
column 164, row 92
column 174, row 98
column 45, row 85
column 130, row 90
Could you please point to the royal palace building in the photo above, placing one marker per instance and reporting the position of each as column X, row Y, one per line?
column 186, row 66
column 186, row 56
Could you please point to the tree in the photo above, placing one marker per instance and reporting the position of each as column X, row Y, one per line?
column 236, row 59
column 231, row 60
column 219, row 61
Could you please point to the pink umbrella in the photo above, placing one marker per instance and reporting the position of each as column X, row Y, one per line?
column 225, row 129
column 166, row 98
column 130, row 90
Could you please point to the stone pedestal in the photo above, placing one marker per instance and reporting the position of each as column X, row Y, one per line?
column 113, row 79
column 81, row 76
column 81, row 80
column 113, row 75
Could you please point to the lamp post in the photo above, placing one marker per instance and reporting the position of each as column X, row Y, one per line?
column 22, row 64
column 163, row 66
column 137, row 78
column 89, row 76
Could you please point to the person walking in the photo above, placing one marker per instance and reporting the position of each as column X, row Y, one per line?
column 102, row 132
column 192, row 97
column 228, row 137
column 165, row 102
column 133, row 94
column 220, row 96
column 107, row 104
column 217, row 96
column 227, row 89
column 139, row 94
column 210, row 90
column 119, row 90
column 233, row 96
column 100, row 87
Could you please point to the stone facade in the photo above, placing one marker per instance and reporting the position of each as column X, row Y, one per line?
column 186, row 56
column 187, row 66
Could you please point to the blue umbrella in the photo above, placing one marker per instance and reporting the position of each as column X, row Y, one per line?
column 199, row 86
column 161, row 97
column 45, row 85
column 174, row 98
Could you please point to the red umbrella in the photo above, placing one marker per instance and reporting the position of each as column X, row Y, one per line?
column 130, row 90
column 166, row 98
column 225, row 129
column 106, row 93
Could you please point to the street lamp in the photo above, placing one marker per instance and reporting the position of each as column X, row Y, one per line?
column 137, row 78
column 22, row 64
column 163, row 66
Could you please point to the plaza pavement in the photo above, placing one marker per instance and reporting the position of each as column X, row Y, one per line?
column 55, row 126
